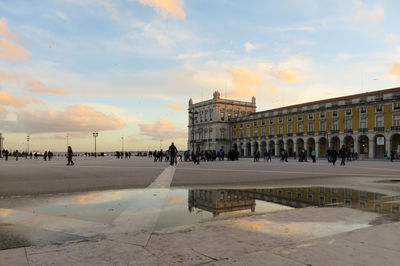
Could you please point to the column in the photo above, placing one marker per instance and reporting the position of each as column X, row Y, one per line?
column 252, row 149
column 317, row 149
column 295, row 147
column 371, row 148
column 388, row 145
column 277, row 148
column 306, row 147
column 287, row 145
column 357, row 146
column 245, row 150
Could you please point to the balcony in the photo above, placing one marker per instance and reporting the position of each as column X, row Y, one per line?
column 348, row 130
column 310, row 133
column 280, row 135
column 396, row 128
column 363, row 129
column 334, row 131
column 322, row 132
column 289, row 134
column 299, row 134
column 271, row 136
column 379, row 129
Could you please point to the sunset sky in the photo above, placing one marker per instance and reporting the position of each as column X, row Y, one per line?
column 127, row 68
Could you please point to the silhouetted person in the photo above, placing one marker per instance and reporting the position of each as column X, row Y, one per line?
column 333, row 156
column 343, row 155
column 172, row 153
column 16, row 155
column 69, row 156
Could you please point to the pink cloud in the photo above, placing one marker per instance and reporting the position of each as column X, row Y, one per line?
column 75, row 118
column 394, row 69
column 167, row 7
column 245, row 82
column 16, row 101
column 162, row 129
column 176, row 107
column 32, row 84
column 4, row 29
column 12, row 52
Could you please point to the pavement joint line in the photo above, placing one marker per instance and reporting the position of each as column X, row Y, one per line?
column 286, row 172
column 26, row 256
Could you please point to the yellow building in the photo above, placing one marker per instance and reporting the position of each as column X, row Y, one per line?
column 368, row 124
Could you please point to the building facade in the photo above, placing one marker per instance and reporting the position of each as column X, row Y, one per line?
column 209, row 122
column 368, row 124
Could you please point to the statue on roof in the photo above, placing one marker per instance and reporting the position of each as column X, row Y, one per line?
column 190, row 102
column 216, row 95
column 253, row 99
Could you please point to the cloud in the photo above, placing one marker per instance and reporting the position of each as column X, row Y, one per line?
column 16, row 101
column 3, row 113
column 193, row 55
column 245, row 82
column 75, row 118
column 175, row 107
column 162, row 129
column 394, row 70
column 31, row 84
column 250, row 47
column 391, row 38
column 167, row 7
column 61, row 15
column 110, row 7
column 4, row 29
column 12, row 52
column 287, row 76
column 364, row 11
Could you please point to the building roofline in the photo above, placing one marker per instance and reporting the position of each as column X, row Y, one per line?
column 366, row 94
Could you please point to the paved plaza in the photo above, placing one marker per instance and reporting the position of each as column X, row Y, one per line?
column 107, row 211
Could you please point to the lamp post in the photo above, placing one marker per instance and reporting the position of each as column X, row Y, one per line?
column 192, row 116
column 95, row 134
column 122, row 139
column 67, row 140
column 27, row 143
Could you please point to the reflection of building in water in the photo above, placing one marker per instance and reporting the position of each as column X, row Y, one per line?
column 220, row 201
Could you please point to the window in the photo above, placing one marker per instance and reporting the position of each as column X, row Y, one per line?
column 289, row 119
column 322, row 126
column 263, row 123
column 379, row 108
column 222, row 133
column 263, row 131
column 310, row 126
column 211, row 111
column 348, row 111
column 379, row 121
column 241, row 133
column 299, row 118
column 348, row 123
column 396, row 106
column 241, row 125
column 363, row 122
column 271, row 130
column 255, row 124
column 205, row 115
column 280, row 129
column 222, row 116
column 248, row 125
column 280, row 120
column 322, row 115
column 335, row 125
column 255, row 132
column 271, row 122
column 300, row 127
column 396, row 120
column 310, row 116
column 290, row 129
column 248, row 132
column 363, row 110
column 335, row 113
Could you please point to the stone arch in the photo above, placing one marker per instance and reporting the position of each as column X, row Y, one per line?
column 300, row 144
column 395, row 144
column 380, row 151
column 248, row 146
column 241, row 151
column 256, row 146
column 363, row 146
column 335, row 143
column 349, row 142
column 311, row 145
column 290, row 145
column 323, row 146
column 271, row 147
column 281, row 146
column 234, row 147
column 263, row 147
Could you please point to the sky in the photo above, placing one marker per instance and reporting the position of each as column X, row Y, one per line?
column 127, row 68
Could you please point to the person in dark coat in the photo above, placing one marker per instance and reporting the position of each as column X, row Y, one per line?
column 343, row 155
column 333, row 155
column 172, row 153
column 69, row 156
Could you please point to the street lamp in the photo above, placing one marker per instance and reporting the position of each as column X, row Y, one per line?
column 192, row 116
column 95, row 134
column 27, row 142
column 67, row 140
column 122, row 139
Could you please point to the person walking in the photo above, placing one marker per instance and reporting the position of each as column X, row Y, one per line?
column 313, row 154
column 392, row 152
column 343, row 155
column 333, row 156
column 172, row 153
column 69, row 156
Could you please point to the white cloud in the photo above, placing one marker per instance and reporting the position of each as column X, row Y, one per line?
column 250, row 47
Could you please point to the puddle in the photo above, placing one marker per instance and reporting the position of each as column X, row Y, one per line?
column 42, row 220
